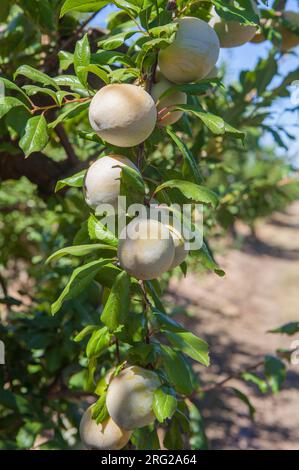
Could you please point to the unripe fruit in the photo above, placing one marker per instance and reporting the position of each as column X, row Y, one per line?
column 130, row 397
column 102, row 180
column 232, row 33
column 104, row 436
column 180, row 252
column 122, row 114
column 193, row 53
column 289, row 38
column 147, row 251
column 169, row 101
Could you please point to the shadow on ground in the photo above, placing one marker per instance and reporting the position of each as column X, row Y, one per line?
column 259, row 293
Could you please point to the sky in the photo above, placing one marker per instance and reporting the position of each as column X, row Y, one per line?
column 245, row 58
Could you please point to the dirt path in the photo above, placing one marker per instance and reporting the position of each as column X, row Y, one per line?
column 260, row 292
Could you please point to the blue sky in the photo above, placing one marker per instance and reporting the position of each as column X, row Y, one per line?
column 246, row 57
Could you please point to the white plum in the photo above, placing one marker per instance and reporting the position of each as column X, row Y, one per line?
column 233, row 33
column 102, row 180
column 130, row 397
column 123, row 114
column 193, row 53
column 180, row 252
column 104, row 436
column 146, row 249
column 167, row 103
column 289, row 38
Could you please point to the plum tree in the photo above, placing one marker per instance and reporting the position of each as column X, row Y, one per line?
column 203, row 160
column 167, row 103
column 102, row 180
column 130, row 397
column 289, row 38
column 232, row 33
column 123, row 114
column 193, row 53
column 146, row 249
column 180, row 252
column 103, row 436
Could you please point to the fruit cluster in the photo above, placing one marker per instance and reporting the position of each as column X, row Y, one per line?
column 125, row 115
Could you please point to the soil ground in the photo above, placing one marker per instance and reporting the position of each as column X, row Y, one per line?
column 260, row 292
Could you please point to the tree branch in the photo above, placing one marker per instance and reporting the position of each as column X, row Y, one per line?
column 38, row 168
column 63, row 137
column 224, row 381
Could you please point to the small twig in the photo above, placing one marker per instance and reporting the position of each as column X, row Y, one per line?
column 70, row 40
column 222, row 382
column 55, row 106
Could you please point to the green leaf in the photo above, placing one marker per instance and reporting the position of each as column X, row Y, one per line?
column 151, row 288
column 249, row 377
column 183, row 339
column 214, row 123
column 33, row 89
column 9, row 103
column 116, row 308
column 86, row 331
column 188, row 156
column 190, row 344
column 82, row 59
column 12, row 86
column 15, row 402
column 35, row 136
column 245, row 400
column 113, row 42
column 230, row 130
column 27, row 433
column 70, row 81
column 206, row 258
column 275, row 372
column 173, row 437
column 80, row 279
column 166, row 322
column 91, row 136
column 99, row 341
column 289, row 329
column 191, row 191
column 36, row 76
column 76, row 181
column 80, row 250
column 132, row 185
column 166, row 30
column 72, row 110
column 145, row 439
column 178, row 371
column 99, row 409
column 97, row 231
column 95, row 70
column 199, row 88
column 164, row 404
column 241, row 11
column 66, row 59
column 82, row 6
